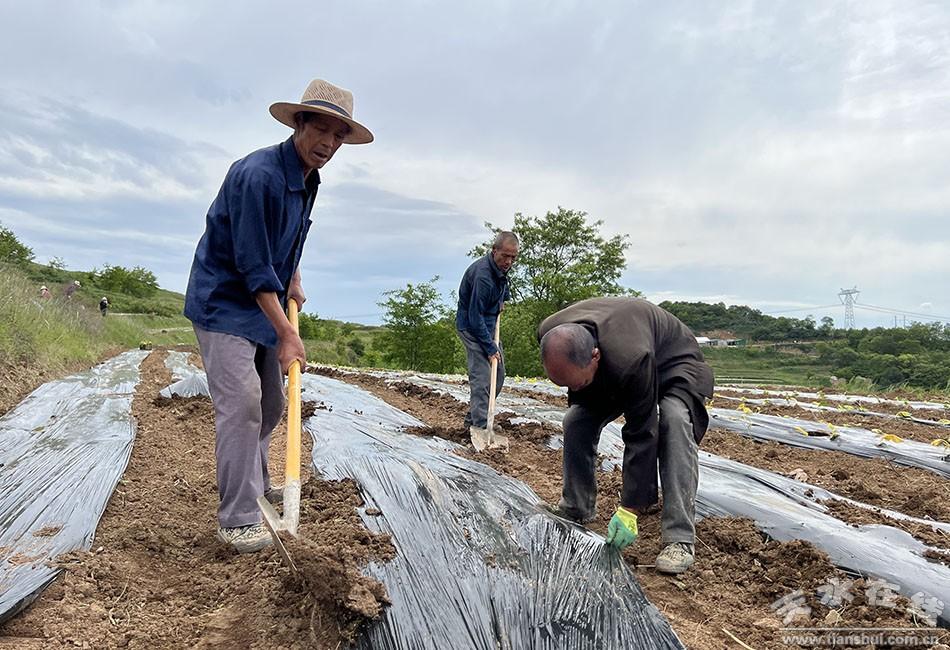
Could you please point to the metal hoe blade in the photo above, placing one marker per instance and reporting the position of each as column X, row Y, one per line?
column 274, row 524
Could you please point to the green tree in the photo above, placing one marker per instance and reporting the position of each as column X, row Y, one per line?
column 308, row 325
column 12, row 250
column 420, row 330
column 357, row 345
column 563, row 258
column 56, row 263
column 137, row 281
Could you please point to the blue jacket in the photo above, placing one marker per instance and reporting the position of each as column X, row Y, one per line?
column 483, row 290
column 253, row 239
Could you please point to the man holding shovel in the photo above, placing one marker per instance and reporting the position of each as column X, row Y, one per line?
column 482, row 295
column 245, row 269
column 626, row 356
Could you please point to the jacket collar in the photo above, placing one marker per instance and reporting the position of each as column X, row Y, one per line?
column 293, row 171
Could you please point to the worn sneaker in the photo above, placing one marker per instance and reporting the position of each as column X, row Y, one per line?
column 274, row 495
column 557, row 511
column 246, row 539
column 675, row 558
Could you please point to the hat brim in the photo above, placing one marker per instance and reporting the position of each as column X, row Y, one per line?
column 284, row 113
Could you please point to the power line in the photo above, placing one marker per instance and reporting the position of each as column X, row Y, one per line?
column 901, row 312
column 789, row 311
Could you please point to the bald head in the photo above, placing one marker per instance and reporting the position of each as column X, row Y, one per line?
column 570, row 355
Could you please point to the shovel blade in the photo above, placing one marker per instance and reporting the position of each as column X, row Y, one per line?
column 274, row 524
column 480, row 438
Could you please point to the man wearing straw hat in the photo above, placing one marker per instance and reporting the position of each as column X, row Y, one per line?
column 245, row 268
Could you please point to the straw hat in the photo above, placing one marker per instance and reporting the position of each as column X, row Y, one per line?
column 323, row 97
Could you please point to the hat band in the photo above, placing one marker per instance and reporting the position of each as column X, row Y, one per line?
column 330, row 105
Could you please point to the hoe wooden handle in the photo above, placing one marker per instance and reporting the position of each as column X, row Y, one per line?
column 292, row 469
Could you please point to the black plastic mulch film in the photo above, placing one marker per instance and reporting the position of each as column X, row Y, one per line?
column 479, row 564
column 62, row 451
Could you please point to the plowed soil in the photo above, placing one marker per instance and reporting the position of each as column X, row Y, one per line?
column 901, row 427
column 739, row 572
column 888, row 407
column 874, row 481
column 158, row 578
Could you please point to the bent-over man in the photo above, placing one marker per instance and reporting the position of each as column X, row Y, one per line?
column 626, row 356
column 245, row 269
column 482, row 295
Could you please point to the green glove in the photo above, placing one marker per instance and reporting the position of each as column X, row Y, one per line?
column 622, row 530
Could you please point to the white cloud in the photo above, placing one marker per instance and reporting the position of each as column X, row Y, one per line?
column 763, row 152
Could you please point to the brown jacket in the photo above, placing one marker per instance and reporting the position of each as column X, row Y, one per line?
column 646, row 354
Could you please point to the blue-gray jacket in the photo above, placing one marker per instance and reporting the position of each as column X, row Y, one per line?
column 254, row 235
column 483, row 290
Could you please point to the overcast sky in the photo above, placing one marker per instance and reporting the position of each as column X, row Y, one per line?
column 765, row 153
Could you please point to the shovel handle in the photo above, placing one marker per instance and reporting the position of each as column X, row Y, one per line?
column 292, row 469
column 493, row 385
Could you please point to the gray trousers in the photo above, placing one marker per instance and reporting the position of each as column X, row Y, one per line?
column 678, row 457
column 247, row 390
column 479, row 380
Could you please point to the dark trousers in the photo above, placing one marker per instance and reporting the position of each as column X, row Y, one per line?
column 247, row 390
column 479, row 380
column 678, row 457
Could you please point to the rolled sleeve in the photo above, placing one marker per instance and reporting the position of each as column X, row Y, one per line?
column 249, row 233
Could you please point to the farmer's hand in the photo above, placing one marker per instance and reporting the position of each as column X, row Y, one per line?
column 295, row 292
column 495, row 357
column 622, row 530
column 289, row 349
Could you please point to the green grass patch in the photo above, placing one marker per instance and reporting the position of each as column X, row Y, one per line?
column 767, row 366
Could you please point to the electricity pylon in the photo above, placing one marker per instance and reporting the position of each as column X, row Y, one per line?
column 847, row 298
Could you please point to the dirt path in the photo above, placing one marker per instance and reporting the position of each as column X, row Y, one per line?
column 739, row 573
column 157, row 577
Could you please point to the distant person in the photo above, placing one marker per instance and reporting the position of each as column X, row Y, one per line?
column 44, row 292
column 103, row 306
column 71, row 289
column 246, row 266
column 482, row 295
column 626, row 356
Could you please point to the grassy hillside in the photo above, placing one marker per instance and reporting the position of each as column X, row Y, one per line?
column 162, row 302
column 43, row 339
